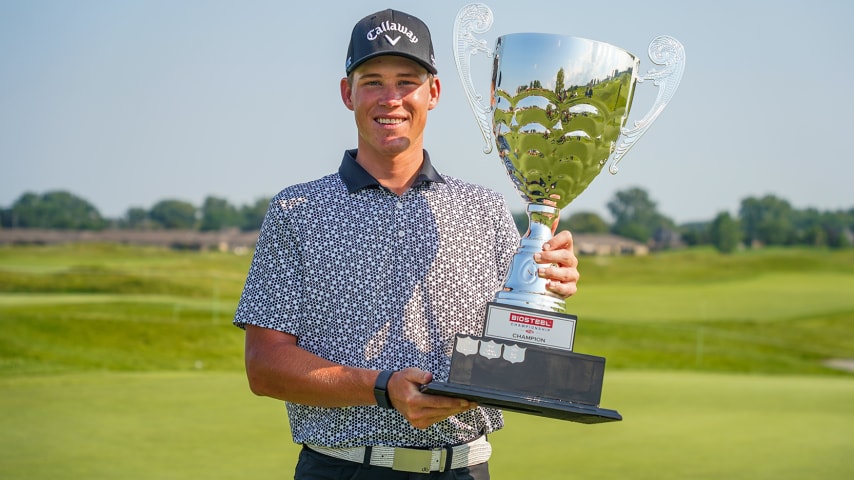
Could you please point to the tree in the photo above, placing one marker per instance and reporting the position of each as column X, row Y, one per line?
column 635, row 215
column 218, row 214
column 56, row 209
column 725, row 233
column 838, row 228
column 251, row 216
column 174, row 214
column 809, row 225
column 586, row 222
column 560, row 88
column 768, row 220
column 695, row 233
column 814, row 236
column 136, row 218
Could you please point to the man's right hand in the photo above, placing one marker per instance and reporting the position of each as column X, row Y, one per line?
column 420, row 409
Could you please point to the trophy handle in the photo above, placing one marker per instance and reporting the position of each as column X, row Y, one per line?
column 476, row 18
column 663, row 50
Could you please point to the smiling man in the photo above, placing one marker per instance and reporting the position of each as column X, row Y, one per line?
column 390, row 96
column 361, row 279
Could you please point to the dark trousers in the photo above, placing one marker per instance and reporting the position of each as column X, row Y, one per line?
column 317, row 466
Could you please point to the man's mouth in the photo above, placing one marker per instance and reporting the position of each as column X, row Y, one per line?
column 390, row 121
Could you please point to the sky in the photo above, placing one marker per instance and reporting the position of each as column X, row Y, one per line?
column 127, row 103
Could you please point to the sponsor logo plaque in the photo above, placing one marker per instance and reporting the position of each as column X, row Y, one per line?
column 530, row 326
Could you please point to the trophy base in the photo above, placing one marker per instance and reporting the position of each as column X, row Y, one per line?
column 543, row 407
column 530, row 379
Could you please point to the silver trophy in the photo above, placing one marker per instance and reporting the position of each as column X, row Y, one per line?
column 557, row 112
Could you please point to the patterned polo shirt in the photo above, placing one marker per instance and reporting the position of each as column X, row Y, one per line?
column 366, row 278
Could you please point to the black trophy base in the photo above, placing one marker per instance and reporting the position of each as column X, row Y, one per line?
column 543, row 407
column 526, row 378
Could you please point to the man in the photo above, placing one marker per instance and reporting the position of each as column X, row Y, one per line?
column 361, row 279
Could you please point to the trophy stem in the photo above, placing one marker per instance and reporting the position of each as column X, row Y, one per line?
column 523, row 286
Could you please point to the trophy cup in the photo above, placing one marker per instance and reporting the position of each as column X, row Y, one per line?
column 558, row 108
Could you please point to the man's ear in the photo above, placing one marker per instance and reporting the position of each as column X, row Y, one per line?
column 347, row 93
column 435, row 91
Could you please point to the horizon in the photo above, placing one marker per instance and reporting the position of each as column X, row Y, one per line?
column 515, row 211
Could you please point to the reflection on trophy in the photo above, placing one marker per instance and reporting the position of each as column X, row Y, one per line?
column 557, row 113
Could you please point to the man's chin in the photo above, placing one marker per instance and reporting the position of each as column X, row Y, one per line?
column 396, row 146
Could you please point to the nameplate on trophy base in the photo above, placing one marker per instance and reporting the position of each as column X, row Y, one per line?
column 531, row 326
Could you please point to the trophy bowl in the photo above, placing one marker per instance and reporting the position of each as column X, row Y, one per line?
column 557, row 112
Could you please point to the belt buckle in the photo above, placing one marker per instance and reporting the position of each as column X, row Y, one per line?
column 416, row 461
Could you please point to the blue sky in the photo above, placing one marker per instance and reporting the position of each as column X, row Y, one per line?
column 126, row 103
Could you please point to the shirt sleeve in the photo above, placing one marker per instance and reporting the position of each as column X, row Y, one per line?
column 271, row 294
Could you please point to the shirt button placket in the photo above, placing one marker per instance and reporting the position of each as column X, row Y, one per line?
column 398, row 219
column 401, row 252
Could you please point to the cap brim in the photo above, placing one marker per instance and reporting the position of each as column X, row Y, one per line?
column 428, row 67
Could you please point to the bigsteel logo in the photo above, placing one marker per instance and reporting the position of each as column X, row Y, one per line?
column 531, row 320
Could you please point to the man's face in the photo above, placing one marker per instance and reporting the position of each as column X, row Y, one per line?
column 390, row 97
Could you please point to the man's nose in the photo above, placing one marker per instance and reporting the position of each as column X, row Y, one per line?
column 391, row 96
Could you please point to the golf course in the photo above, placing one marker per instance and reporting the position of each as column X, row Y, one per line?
column 120, row 362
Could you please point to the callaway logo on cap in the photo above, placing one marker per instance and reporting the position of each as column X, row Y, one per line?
column 390, row 32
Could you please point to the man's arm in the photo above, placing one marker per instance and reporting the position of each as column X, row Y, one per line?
column 277, row 367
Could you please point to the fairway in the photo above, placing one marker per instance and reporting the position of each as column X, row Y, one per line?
column 207, row 425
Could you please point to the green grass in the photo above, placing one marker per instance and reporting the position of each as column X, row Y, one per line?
column 187, row 425
column 121, row 308
column 164, row 425
column 697, row 426
column 108, row 307
column 121, row 362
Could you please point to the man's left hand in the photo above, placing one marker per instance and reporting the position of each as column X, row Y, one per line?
column 562, row 274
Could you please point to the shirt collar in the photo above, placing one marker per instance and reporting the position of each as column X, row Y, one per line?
column 356, row 178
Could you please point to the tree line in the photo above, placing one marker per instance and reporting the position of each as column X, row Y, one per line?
column 62, row 210
column 760, row 221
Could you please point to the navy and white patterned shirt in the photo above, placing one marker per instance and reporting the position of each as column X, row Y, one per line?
column 366, row 278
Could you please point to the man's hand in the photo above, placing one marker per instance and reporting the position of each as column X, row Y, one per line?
column 563, row 274
column 422, row 410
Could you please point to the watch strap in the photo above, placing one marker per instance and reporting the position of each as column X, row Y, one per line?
column 381, row 389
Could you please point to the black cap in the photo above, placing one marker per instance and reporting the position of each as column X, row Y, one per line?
column 390, row 32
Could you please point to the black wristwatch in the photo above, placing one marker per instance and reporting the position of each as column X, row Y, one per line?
column 381, row 389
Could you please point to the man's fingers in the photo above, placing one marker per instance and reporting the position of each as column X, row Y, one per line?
column 564, row 289
column 558, row 251
column 559, row 265
column 562, row 240
column 428, row 415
